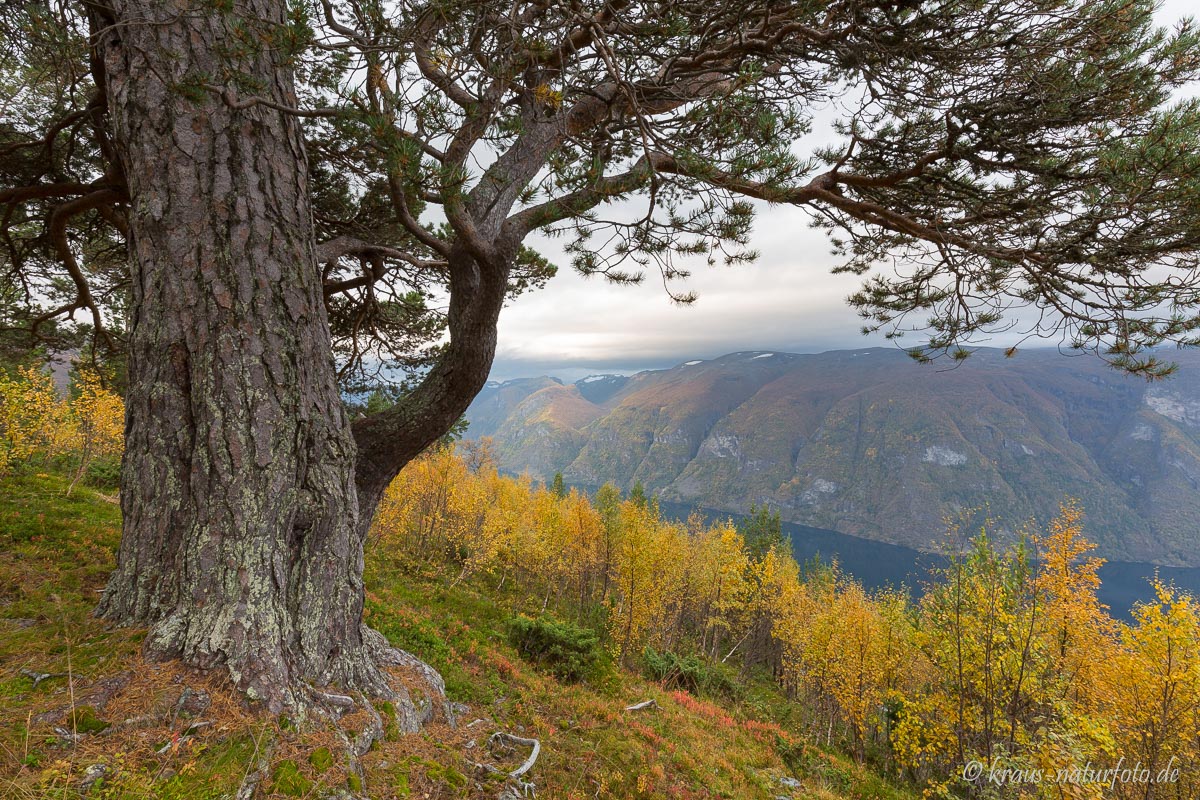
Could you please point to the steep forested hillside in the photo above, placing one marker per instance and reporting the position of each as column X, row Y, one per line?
column 870, row 443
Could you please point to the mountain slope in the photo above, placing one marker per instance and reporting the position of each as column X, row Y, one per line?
column 497, row 401
column 869, row 443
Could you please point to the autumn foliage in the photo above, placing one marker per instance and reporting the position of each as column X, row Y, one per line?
column 39, row 424
column 1008, row 659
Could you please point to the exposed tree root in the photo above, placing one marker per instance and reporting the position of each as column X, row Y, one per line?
column 38, row 677
column 383, row 673
column 411, row 716
column 353, row 756
column 503, row 744
column 506, row 741
column 371, row 734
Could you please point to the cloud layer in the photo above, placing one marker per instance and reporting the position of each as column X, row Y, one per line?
column 787, row 300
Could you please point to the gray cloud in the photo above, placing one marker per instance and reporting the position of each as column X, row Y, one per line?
column 785, row 300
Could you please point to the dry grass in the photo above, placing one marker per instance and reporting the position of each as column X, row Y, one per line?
column 55, row 553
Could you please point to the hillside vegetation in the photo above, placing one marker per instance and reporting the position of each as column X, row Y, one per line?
column 80, row 708
column 549, row 615
column 868, row 443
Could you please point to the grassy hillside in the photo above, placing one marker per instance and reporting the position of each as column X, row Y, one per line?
column 81, row 712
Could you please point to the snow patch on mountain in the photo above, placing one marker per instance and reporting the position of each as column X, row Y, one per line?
column 944, row 456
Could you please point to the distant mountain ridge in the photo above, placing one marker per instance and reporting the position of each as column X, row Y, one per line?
column 869, row 443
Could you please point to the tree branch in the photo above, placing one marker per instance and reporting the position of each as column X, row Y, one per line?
column 58, row 237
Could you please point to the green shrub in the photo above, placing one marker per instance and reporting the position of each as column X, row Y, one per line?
column 569, row 651
column 104, row 474
column 690, row 673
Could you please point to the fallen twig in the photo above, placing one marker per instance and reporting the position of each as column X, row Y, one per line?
column 38, row 677
column 188, row 735
column 651, row 703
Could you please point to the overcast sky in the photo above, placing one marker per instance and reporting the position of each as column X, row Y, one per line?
column 786, row 300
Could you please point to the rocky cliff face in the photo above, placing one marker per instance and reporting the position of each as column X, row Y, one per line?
column 869, row 443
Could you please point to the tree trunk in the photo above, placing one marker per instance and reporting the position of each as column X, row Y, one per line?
column 389, row 440
column 242, row 541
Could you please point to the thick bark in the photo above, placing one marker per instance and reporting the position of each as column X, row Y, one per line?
column 242, row 545
column 244, row 513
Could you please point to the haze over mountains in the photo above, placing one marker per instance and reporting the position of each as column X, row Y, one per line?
column 869, row 443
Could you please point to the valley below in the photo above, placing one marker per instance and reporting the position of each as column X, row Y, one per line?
column 869, row 444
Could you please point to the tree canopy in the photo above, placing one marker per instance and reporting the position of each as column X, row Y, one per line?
column 988, row 155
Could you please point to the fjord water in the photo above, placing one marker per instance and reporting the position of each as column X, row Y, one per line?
column 880, row 565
